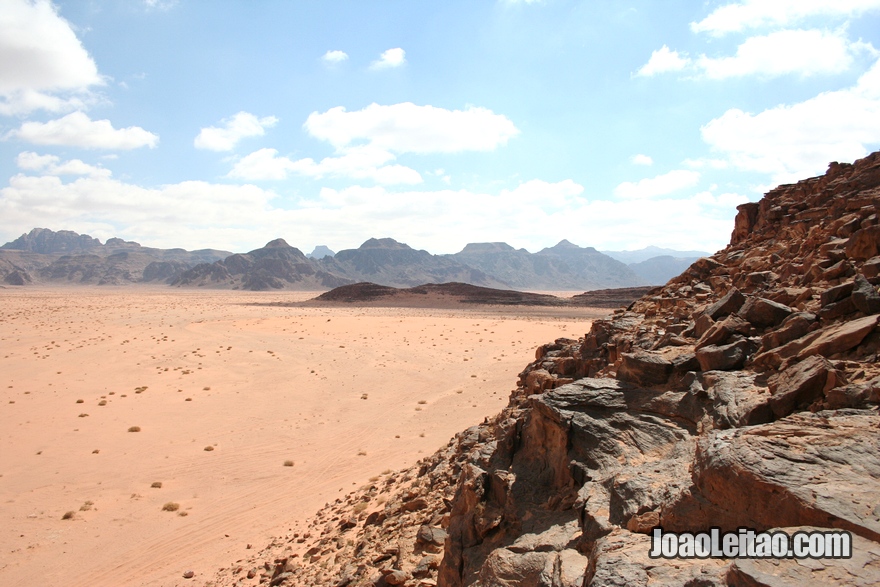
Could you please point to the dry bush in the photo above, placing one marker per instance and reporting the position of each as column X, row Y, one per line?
column 156, row 485
column 171, row 507
column 134, row 429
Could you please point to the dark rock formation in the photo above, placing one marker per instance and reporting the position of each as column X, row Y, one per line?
column 12, row 274
column 611, row 298
column 434, row 294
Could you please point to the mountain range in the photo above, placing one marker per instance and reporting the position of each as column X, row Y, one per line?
column 46, row 256
column 43, row 255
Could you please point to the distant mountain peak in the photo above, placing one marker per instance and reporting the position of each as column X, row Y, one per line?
column 44, row 240
column 118, row 242
column 278, row 243
column 320, row 252
column 565, row 244
column 486, row 247
column 383, row 243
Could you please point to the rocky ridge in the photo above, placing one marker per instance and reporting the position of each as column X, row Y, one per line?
column 274, row 266
column 564, row 266
column 65, row 257
column 396, row 264
column 437, row 295
column 742, row 394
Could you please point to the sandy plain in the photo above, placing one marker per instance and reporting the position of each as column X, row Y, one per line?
column 224, row 390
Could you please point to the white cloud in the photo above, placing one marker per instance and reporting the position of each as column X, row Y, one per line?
column 31, row 161
column 334, row 56
column 706, row 162
column 367, row 141
column 52, row 165
column 239, row 126
column 197, row 214
column 641, row 159
column 663, row 60
column 657, row 186
column 42, row 63
column 78, row 130
column 160, row 4
column 362, row 162
column 739, row 16
column 445, row 220
column 804, row 52
column 790, row 142
column 390, row 58
column 407, row 128
column 193, row 214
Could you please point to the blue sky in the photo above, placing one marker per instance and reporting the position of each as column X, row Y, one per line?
column 613, row 124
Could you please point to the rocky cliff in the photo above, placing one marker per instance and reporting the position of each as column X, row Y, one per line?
column 741, row 394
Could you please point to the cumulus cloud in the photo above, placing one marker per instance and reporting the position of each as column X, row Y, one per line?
column 389, row 59
column 52, row 165
column 660, row 185
column 663, row 60
column 193, row 214
column 334, row 56
column 407, row 128
column 747, row 14
column 804, row 52
column 43, row 65
column 641, row 159
column 793, row 141
column 160, row 4
column 367, row 141
column 239, row 126
column 357, row 163
column 78, row 130
column 801, row 52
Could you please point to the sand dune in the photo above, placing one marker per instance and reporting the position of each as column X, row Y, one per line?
column 224, row 390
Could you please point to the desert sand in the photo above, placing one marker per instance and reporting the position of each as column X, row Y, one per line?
column 249, row 416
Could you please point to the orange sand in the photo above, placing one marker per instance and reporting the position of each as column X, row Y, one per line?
column 260, row 385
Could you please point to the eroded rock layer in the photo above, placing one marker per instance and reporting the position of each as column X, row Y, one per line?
column 743, row 393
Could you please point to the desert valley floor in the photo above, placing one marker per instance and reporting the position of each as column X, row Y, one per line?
column 225, row 391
